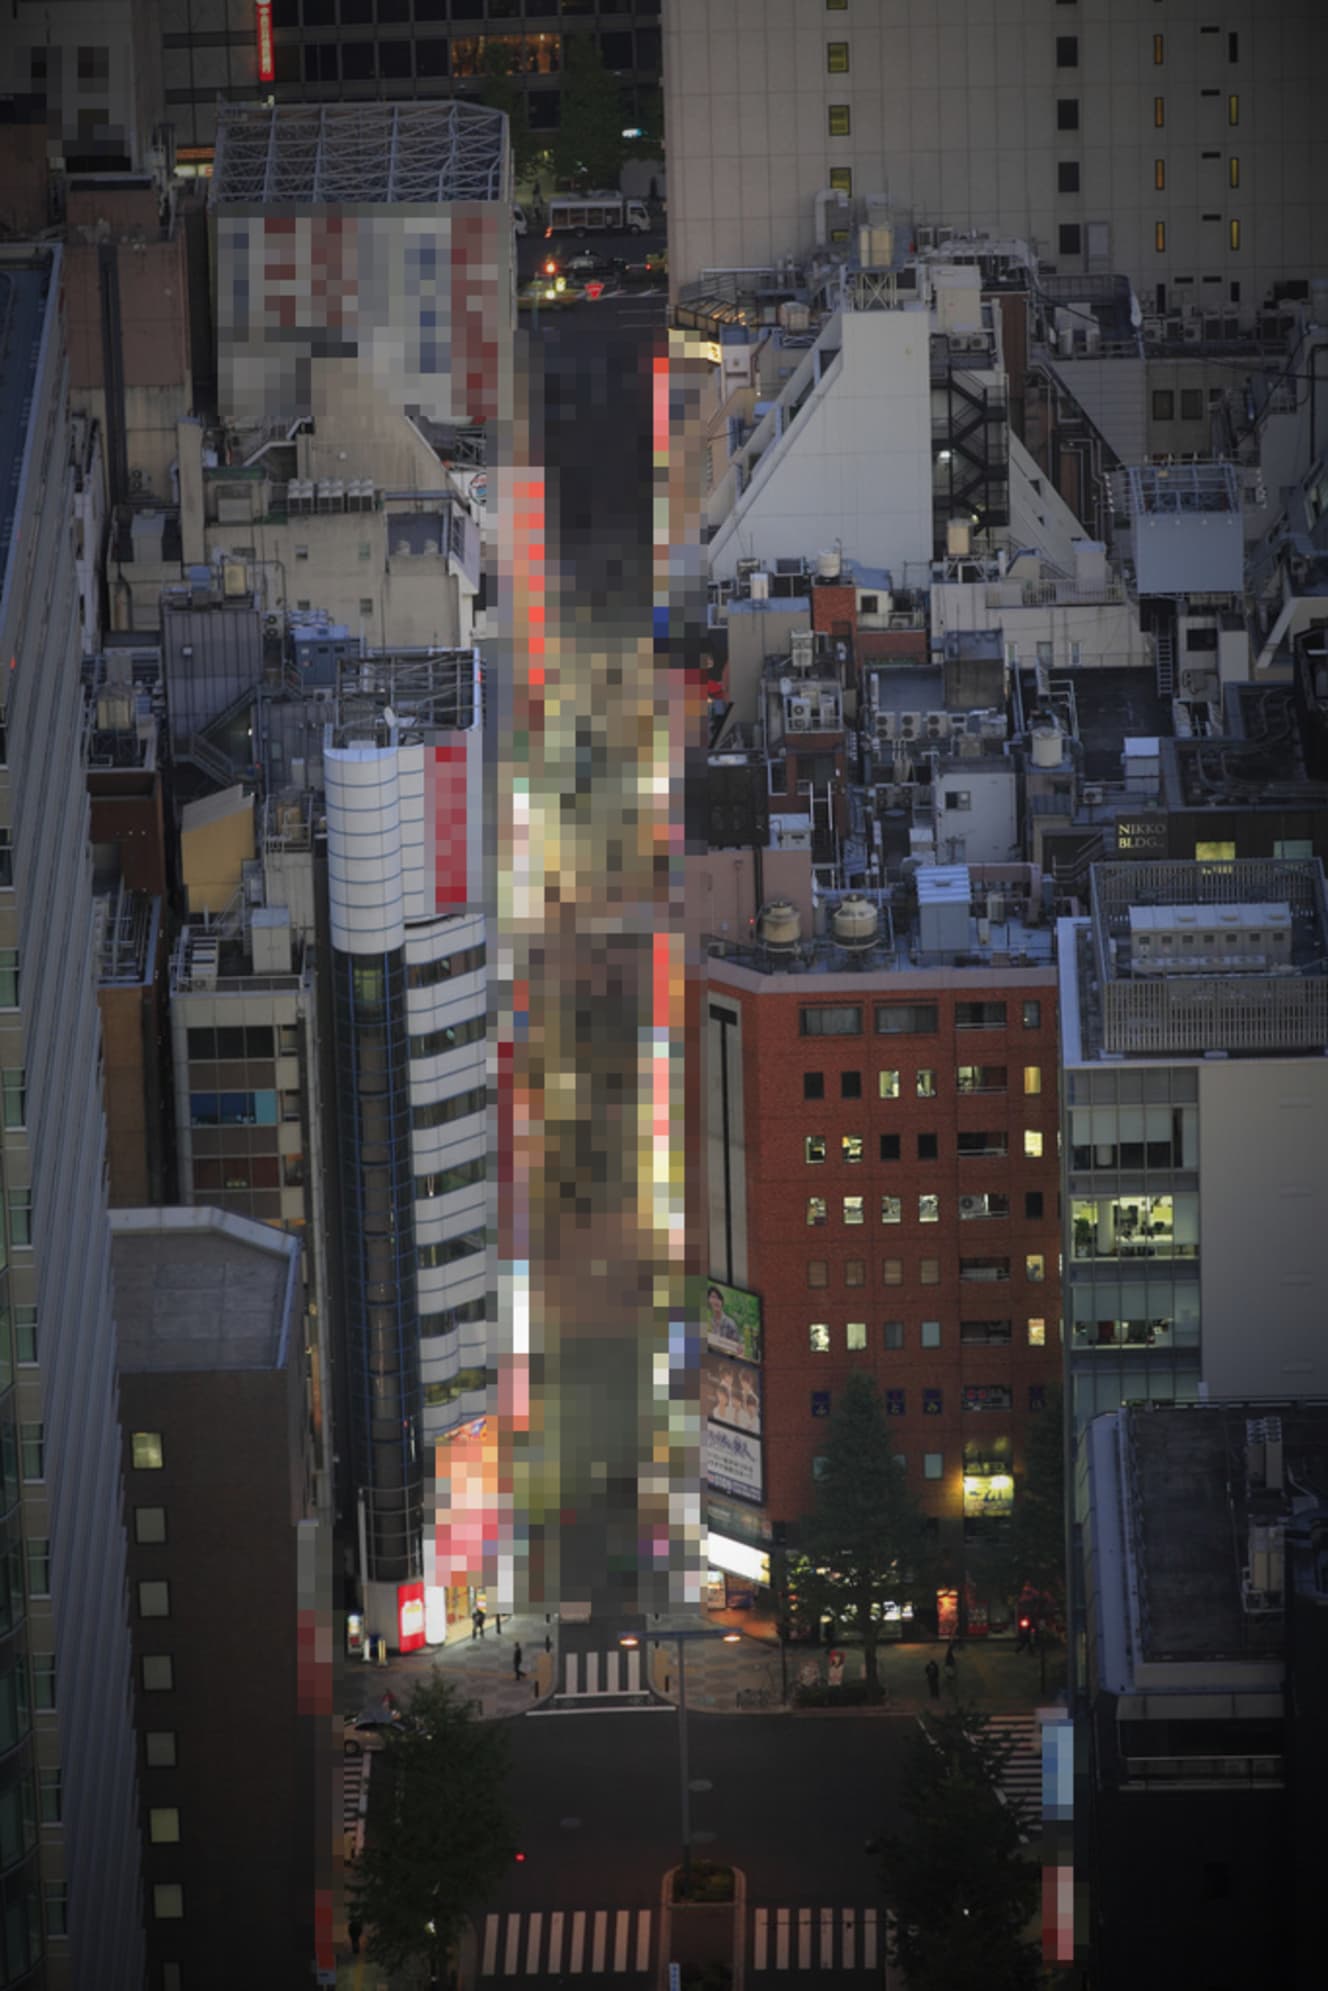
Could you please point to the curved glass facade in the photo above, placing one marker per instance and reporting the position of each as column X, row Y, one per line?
column 372, row 1048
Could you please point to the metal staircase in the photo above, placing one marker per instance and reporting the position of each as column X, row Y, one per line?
column 1164, row 651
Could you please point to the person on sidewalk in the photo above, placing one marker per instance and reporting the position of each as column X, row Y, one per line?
column 517, row 1673
column 951, row 1664
column 933, row 1680
column 498, row 1623
column 477, row 1623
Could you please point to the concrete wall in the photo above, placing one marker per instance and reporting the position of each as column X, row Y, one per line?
column 1263, row 1175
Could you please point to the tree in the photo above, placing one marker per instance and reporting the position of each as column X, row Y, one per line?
column 588, row 150
column 957, row 1879
column 440, row 1834
column 502, row 92
column 1033, row 1557
column 864, row 1543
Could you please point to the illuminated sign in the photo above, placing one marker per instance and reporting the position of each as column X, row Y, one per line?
column 739, row 1558
column 731, row 1322
column 988, row 1493
column 267, row 67
column 410, row 1616
column 1142, row 836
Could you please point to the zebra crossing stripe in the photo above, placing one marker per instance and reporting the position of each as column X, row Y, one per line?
column 578, row 1941
column 869, row 1939
column 556, row 1942
column 781, row 1938
column 761, row 1939
column 533, row 1943
column 601, row 1937
column 490, row 1957
column 601, row 1940
column 621, row 1934
column 804, row 1938
column 788, row 1939
column 643, row 1942
column 827, row 1938
column 513, row 1945
column 848, row 1939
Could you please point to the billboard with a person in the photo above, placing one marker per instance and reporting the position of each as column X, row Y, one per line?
column 731, row 1398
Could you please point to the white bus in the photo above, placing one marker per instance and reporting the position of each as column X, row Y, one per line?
column 600, row 214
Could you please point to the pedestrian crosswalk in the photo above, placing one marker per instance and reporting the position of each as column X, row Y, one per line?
column 354, row 1796
column 818, row 1939
column 567, row 1943
column 597, row 1675
column 1021, row 1786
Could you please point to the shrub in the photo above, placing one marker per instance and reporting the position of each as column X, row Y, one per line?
column 852, row 1694
column 710, row 1882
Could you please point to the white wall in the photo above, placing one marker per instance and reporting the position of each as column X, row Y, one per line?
column 986, row 828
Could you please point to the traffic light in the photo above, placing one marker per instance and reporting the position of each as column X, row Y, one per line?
column 520, row 1859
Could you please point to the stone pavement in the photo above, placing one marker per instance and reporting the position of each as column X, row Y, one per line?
column 480, row 1668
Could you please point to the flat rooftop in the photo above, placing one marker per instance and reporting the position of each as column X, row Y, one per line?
column 352, row 154
column 25, row 282
column 200, row 1289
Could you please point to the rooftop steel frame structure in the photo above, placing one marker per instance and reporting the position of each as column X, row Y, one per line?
column 344, row 154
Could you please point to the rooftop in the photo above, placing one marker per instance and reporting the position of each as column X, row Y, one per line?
column 200, row 1289
column 386, row 154
column 1167, row 490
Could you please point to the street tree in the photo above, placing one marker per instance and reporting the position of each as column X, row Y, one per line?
column 589, row 148
column 961, row 1886
column 1033, row 1556
column 864, row 1544
column 439, row 1830
column 501, row 91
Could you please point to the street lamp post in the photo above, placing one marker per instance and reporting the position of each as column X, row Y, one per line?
column 683, row 1639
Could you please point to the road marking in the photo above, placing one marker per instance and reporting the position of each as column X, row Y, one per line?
column 827, row 1938
column 781, row 1938
column 578, row 1941
column 513, row 1945
column 846, row 1952
column 804, row 1938
column 621, row 1936
column 869, row 1939
column 643, row 1941
column 761, row 1943
column 533, row 1943
column 600, row 1941
column 555, row 1942
column 490, row 1958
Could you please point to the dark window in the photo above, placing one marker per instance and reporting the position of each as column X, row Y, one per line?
column 813, row 1085
column 832, row 1020
column 1164, row 404
column 1201, row 639
column 394, row 58
column 430, row 10
column 616, row 50
column 1233, row 48
column 979, row 1016
column 820, row 1403
column 1067, row 51
column 850, row 1085
column 905, row 1019
column 356, row 13
column 1033, row 1203
column 895, row 1400
column 933, row 1403
column 357, row 61
column 1191, row 404
column 394, row 10
column 893, row 1334
column 94, row 65
column 1037, row 1396
column 1067, row 176
column 1068, row 238
column 431, row 58
column 927, row 1147
column 1032, row 1015
column 319, row 13
column 1067, row 114
column 320, row 62
column 889, row 1147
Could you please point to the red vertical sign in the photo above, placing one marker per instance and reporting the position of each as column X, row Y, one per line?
column 263, row 27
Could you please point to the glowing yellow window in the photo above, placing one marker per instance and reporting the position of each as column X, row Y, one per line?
column 1235, row 235
column 1233, row 110
column 1032, row 1143
column 1037, row 1333
column 836, row 58
column 1160, row 175
column 1032, row 1079
column 841, row 179
column 841, row 121
column 1233, row 171
column 1159, row 49
column 1159, row 111
column 1160, row 237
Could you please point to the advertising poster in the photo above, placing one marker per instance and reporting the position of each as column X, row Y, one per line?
column 731, row 1403
column 733, row 1462
column 731, row 1322
column 731, row 1393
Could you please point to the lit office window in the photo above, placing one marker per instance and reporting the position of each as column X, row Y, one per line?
column 841, row 121
column 841, row 179
column 1159, row 50
column 1160, row 236
column 1235, row 235
column 1160, row 175
column 1159, row 112
column 1233, row 110
column 836, row 58
column 1233, row 171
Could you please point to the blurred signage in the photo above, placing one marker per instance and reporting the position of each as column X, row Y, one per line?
column 410, row 1616
column 738, row 1558
column 267, row 67
column 733, row 1462
column 988, row 1493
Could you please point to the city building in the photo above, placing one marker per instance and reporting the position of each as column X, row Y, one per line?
column 83, row 83
column 1181, row 152
column 1194, row 1094
column 1204, row 1734
column 229, row 1565
column 68, row 1786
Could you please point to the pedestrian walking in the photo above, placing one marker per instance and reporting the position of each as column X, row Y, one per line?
column 933, row 1680
column 548, row 1643
column 354, row 1930
column 477, row 1623
column 498, row 1623
column 951, row 1664
column 516, row 1662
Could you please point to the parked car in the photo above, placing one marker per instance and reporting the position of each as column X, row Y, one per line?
column 586, row 263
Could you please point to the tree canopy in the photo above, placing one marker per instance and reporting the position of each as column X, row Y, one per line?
column 501, row 91
column 588, row 150
column 864, row 1544
column 439, row 1829
column 961, row 1886
column 1033, row 1557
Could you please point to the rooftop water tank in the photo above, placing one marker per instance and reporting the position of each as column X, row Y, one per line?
column 855, row 922
column 1047, row 744
column 829, row 565
column 780, row 924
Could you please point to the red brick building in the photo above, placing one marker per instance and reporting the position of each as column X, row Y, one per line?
column 882, row 1170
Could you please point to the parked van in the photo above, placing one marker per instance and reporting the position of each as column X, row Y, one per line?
column 519, row 221
column 600, row 214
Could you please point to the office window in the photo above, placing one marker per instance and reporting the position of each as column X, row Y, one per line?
column 159, row 1748
column 1068, row 238
column 158, row 1672
column 1032, row 1015
column 149, row 1524
column 1233, row 110
column 1067, row 176
column 930, row 1334
column 39, row 1566
column 6, row 858
column 816, row 1210
column 906, row 1019
column 1233, row 171
column 818, row 1271
column 1283, row 847
column 1160, row 175
column 889, row 1147
column 992, row 1142
column 841, row 179
column 1037, row 1333
column 979, row 1016
column 55, row 1894
column 892, row 1334
column 832, row 1020
column 892, row 1210
column 820, row 1403
column 164, row 1825
column 831, row 6
column 1191, row 404
column 813, row 1085
column 1032, row 1080
column 1160, row 236
column 840, row 120
column 1032, row 1143
column 20, row 1218
column 895, row 1406
column 855, row 1336
column 1067, row 51
column 853, row 1210
column 887, row 1085
column 981, row 1078
column 43, row 1682
column 929, row 1271
column 932, row 1463
column 959, row 798
column 154, row 1599
column 892, row 1272
column 8, row 978
column 32, row 1449
column 1067, row 114
column 836, row 58
column 168, row 1901
column 1035, row 1267
column 49, row 1796
column 850, row 1147
column 1159, row 112
column 813, row 1148
column 928, row 1147
column 94, row 65
column 929, row 1209
column 1159, row 50
column 855, row 1271
column 926, row 1083
column 1235, row 235
column 1233, row 47
column 850, row 1085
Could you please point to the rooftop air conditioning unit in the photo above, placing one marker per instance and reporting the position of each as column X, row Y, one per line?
column 802, row 649
column 800, row 714
column 908, row 725
column 970, row 1206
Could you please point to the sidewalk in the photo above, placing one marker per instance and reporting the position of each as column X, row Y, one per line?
column 480, row 1668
